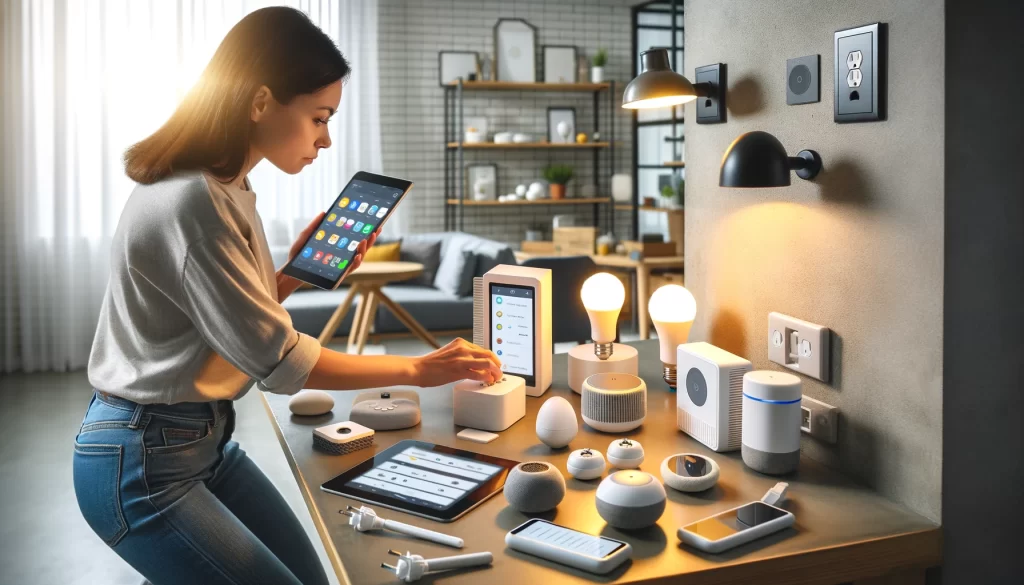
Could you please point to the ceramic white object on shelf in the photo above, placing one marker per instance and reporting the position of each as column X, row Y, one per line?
column 521, row 138
column 563, row 130
column 521, row 189
column 596, row 74
column 556, row 422
column 502, row 137
column 474, row 137
column 311, row 403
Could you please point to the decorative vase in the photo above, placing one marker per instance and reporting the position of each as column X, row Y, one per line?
column 596, row 74
column 557, row 191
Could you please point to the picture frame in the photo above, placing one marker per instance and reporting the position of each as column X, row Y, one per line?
column 558, row 114
column 515, row 50
column 451, row 65
column 485, row 171
column 560, row 63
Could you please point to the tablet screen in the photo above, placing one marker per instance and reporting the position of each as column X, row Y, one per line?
column 360, row 208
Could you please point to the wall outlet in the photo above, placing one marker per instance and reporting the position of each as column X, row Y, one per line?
column 798, row 345
column 819, row 420
column 860, row 73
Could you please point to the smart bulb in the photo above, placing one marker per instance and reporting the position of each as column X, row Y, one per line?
column 602, row 296
column 672, row 309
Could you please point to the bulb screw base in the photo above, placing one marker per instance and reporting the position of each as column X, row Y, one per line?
column 604, row 351
column 670, row 375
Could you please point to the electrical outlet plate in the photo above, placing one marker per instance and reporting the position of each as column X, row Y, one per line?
column 711, row 109
column 860, row 73
column 819, row 420
column 798, row 345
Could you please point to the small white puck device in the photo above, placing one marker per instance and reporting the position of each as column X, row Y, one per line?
column 342, row 438
column 585, row 464
column 689, row 472
column 490, row 407
column 625, row 453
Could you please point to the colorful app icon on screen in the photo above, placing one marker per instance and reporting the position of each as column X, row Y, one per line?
column 318, row 255
column 307, row 252
column 333, row 239
column 353, row 205
column 353, row 245
column 341, row 221
column 334, row 262
column 367, row 228
column 320, row 234
column 363, row 207
column 343, row 264
column 498, row 352
column 373, row 210
column 343, row 242
column 343, row 203
column 383, row 211
column 359, row 225
column 332, row 217
column 326, row 259
column 348, row 224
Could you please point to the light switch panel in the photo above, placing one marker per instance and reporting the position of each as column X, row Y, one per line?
column 711, row 109
column 860, row 73
column 799, row 345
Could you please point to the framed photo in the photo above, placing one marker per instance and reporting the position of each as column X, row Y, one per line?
column 515, row 50
column 557, row 116
column 452, row 65
column 482, row 181
column 560, row 64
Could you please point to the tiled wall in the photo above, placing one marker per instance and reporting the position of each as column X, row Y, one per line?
column 412, row 32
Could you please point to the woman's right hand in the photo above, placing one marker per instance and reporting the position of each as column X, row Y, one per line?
column 458, row 360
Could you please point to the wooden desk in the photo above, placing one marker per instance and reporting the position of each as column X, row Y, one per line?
column 844, row 532
column 643, row 270
column 365, row 282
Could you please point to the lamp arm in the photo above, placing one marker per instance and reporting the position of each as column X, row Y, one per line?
column 806, row 163
column 705, row 89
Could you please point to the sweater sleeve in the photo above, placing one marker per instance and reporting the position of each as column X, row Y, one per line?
column 224, row 296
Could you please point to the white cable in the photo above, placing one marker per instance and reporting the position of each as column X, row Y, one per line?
column 411, row 567
column 776, row 494
column 364, row 519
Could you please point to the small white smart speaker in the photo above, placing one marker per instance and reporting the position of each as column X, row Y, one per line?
column 709, row 399
column 311, row 403
column 625, row 453
column 630, row 499
column 490, row 407
column 771, row 421
column 689, row 472
column 585, row 464
column 614, row 403
column 556, row 422
column 534, row 486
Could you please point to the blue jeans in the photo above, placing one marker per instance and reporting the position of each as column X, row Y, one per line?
column 169, row 491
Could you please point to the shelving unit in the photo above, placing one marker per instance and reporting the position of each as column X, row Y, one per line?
column 455, row 147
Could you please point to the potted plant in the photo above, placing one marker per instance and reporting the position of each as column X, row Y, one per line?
column 673, row 194
column 597, row 66
column 558, row 175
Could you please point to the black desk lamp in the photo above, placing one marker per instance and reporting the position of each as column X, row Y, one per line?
column 758, row 159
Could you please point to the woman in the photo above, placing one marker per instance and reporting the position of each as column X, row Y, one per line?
column 192, row 316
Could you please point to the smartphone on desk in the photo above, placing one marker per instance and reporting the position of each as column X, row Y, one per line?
column 734, row 527
column 362, row 207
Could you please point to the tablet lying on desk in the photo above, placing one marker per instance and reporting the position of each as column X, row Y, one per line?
column 433, row 481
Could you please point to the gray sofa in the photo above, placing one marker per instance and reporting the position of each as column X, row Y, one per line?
column 441, row 301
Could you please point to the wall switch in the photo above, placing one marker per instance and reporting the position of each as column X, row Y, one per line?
column 860, row 73
column 819, row 420
column 798, row 345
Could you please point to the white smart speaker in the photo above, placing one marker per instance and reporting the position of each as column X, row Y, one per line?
column 630, row 500
column 771, row 421
column 614, row 403
column 709, row 396
column 512, row 318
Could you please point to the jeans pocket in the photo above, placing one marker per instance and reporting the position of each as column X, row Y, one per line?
column 165, row 435
column 97, row 478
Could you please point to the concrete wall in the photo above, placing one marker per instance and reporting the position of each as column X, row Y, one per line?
column 859, row 250
column 412, row 32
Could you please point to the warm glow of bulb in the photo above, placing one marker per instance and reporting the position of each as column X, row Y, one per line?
column 672, row 304
column 603, row 292
column 659, row 102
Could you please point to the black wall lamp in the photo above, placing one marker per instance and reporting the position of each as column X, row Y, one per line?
column 758, row 159
column 658, row 86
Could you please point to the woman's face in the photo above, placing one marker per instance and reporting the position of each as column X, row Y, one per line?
column 290, row 136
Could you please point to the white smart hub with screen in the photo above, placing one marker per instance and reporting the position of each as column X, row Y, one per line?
column 517, row 322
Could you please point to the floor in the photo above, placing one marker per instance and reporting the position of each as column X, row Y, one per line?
column 44, row 538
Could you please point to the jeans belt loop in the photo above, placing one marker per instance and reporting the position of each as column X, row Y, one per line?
column 216, row 413
column 136, row 416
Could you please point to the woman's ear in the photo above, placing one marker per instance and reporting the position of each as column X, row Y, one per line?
column 260, row 103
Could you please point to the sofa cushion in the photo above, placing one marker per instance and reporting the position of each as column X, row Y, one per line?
column 426, row 253
column 434, row 309
column 381, row 252
column 311, row 309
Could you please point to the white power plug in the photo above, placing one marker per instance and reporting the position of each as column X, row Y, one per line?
column 819, row 420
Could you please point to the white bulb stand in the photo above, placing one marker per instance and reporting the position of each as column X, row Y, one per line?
column 583, row 363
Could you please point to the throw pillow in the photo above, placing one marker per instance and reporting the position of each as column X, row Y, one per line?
column 426, row 253
column 384, row 253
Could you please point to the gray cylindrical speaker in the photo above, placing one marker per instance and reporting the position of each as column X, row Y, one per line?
column 534, row 486
column 614, row 402
column 630, row 499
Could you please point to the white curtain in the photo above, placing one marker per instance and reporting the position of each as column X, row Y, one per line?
column 84, row 80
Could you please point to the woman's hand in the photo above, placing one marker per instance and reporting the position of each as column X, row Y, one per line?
column 360, row 252
column 458, row 360
column 286, row 285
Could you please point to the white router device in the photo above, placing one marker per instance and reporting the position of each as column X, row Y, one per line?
column 709, row 398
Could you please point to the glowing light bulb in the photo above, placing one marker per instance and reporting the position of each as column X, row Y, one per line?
column 672, row 309
column 602, row 296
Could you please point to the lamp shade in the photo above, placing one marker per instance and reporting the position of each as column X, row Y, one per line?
column 758, row 159
column 657, row 86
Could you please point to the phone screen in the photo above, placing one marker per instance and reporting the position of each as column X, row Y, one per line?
column 512, row 323
column 731, row 522
column 360, row 208
column 578, row 542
